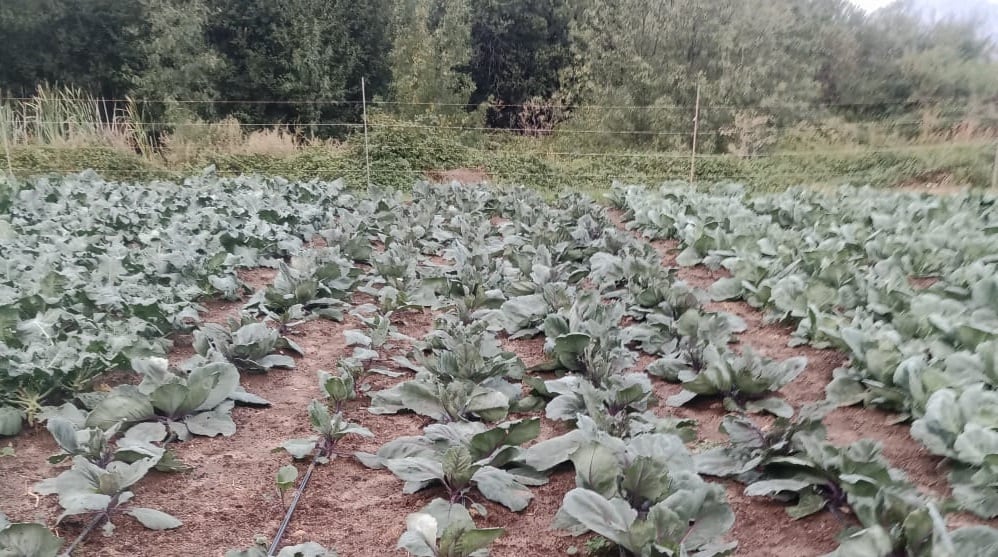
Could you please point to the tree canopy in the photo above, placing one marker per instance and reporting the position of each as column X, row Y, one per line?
column 301, row 61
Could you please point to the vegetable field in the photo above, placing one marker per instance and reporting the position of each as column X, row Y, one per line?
column 191, row 369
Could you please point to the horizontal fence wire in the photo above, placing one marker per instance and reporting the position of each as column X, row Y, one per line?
column 24, row 137
column 708, row 156
column 472, row 106
column 165, row 175
column 539, row 132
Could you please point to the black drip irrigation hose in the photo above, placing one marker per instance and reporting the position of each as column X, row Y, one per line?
column 294, row 503
column 86, row 531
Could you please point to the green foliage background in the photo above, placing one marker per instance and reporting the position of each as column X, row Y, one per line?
column 509, row 87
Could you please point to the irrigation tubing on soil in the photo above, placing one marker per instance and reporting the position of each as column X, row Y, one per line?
column 294, row 503
column 86, row 531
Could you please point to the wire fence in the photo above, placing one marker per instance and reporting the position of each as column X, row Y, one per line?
column 546, row 145
column 419, row 174
column 893, row 102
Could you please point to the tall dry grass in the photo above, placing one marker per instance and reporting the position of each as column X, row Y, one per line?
column 190, row 141
column 65, row 117
column 70, row 118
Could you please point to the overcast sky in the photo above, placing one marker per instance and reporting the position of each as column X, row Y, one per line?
column 870, row 5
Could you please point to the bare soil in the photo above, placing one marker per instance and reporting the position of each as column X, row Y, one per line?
column 228, row 496
column 921, row 283
column 762, row 528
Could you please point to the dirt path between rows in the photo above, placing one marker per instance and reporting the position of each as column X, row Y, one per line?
column 762, row 528
column 229, row 497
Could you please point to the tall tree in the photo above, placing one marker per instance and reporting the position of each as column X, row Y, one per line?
column 175, row 62
column 85, row 43
column 894, row 61
column 748, row 58
column 301, row 60
column 431, row 48
column 519, row 48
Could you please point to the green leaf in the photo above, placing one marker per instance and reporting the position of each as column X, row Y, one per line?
column 171, row 400
column 774, row 405
column 337, row 388
column 82, row 503
column 773, row 487
column 221, row 379
column 448, row 514
column 502, row 487
column 299, row 448
column 718, row 462
column 10, row 421
column 287, row 475
column 489, row 405
column 645, row 478
column 473, row 539
column 555, row 325
column 726, row 289
column 279, row 361
column 871, row 542
column 117, row 409
column 680, row 398
column 126, row 474
column 149, row 432
column 942, row 423
column 319, row 417
column 611, row 519
column 597, row 467
column 549, row 453
column 975, row 444
column 808, row 504
column 845, row 391
column 420, row 398
column 568, row 349
column 688, row 257
column 416, row 469
column 28, row 540
column 420, row 538
column 64, row 434
column 517, row 433
column 153, row 519
column 667, row 368
column 212, row 423
column 972, row 541
column 458, row 468
column 240, row 395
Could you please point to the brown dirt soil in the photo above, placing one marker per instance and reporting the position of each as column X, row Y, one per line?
column 530, row 350
column 466, row 176
column 440, row 261
column 229, row 496
column 762, row 527
column 258, row 279
column 218, row 311
column 921, row 283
